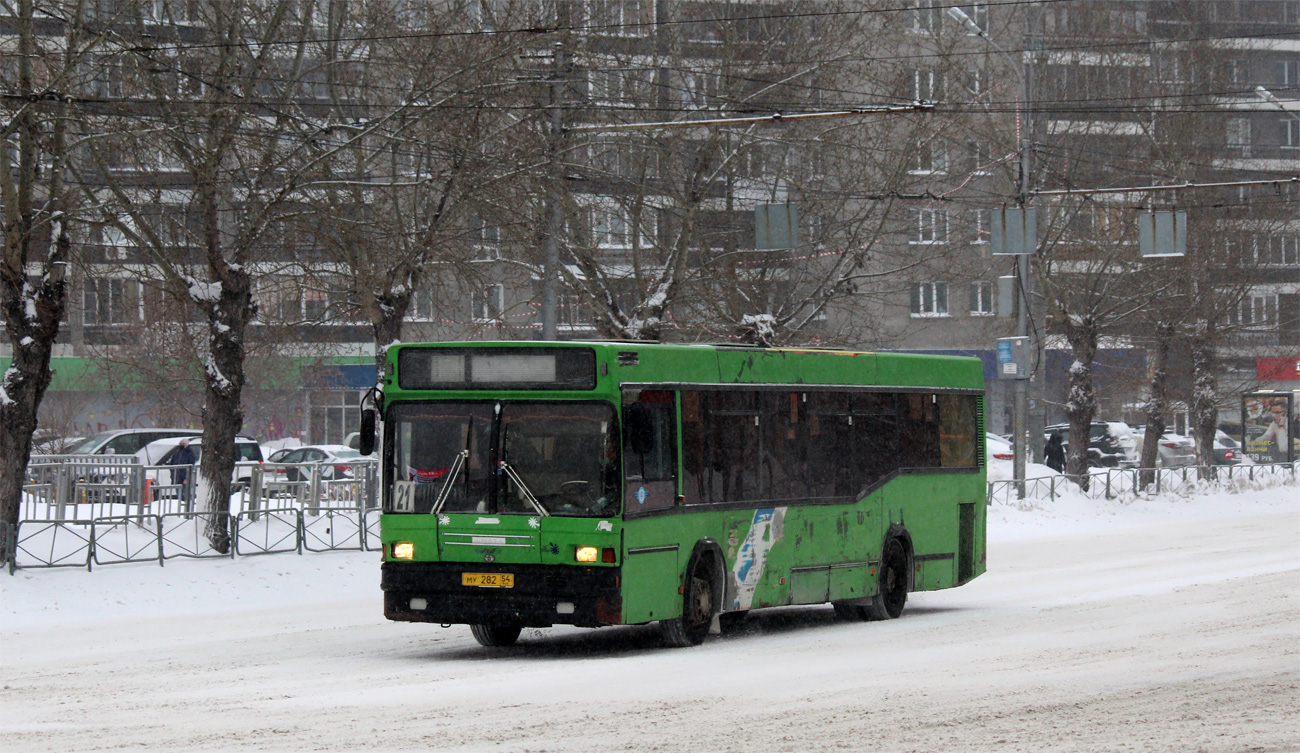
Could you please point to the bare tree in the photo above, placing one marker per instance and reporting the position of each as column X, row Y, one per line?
column 39, row 212
column 220, row 96
column 658, row 215
column 435, row 98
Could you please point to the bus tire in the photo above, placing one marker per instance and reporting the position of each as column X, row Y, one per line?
column 699, row 605
column 891, row 590
column 496, row 635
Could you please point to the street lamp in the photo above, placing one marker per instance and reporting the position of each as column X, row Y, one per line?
column 1023, row 116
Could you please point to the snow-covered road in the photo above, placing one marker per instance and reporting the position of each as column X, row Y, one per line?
column 1157, row 626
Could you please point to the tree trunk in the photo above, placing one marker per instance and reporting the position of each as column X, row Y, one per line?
column 1204, row 417
column 1081, row 406
column 1157, row 404
column 31, row 311
column 386, row 316
column 223, row 414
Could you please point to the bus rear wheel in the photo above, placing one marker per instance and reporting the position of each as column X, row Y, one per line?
column 698, row 607
column 891, row 590
column 496, row 635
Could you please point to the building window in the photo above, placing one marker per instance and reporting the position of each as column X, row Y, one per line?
column 930, row 299
column 621, row 18
column 1238, row 132
column 930, row 157
column 420, row 309
column 488, row 303
column 980, row 219
column 412, row 14
column 1238, row 71
column 615, row 86
column 1288, row 73
column 612, row 227
column 486, row 238
column 927, row 85
column 981, row 298
column 699, row 89
column 1291, row 133
column 573, row 313
column 1257, row 310
column 1277, row 250
column 925, row 16
column 980, row 159
column 334, row 415
column 110, row 300
column 930, row 226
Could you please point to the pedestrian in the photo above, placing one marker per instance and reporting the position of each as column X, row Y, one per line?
column 1054, row 453
column 184, row 458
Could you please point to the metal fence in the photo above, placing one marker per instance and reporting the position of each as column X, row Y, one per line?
column 1119, row 483
column 83, row 512
column 80, row 512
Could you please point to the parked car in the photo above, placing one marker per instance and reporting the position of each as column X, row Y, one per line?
column 1227, row 451
column 1106, row 443
column 997, row 448
column 53, row 443
column 162, row 451
column 126, row 441
column 1175, row 450
column 335, row 459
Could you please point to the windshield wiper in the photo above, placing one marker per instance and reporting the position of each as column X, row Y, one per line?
column 452, row 473
column 528, row 494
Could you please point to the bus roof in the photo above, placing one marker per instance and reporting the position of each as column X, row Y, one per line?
column 621, row 362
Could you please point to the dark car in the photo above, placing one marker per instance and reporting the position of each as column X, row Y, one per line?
column 1104, row 448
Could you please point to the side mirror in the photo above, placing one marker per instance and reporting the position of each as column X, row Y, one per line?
column 366, row 442
column 640, row 429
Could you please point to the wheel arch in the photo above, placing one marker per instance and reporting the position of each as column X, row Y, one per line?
column 709, row 548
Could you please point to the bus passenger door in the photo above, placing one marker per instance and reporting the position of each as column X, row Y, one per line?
column 650, row 541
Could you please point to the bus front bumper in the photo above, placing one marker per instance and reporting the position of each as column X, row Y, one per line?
column 542, row 595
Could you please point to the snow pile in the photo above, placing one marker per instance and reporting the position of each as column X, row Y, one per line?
column 1073, row 511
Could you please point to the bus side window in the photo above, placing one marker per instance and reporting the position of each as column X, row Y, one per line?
column 958, row 431
column 918, row 431
column 831, row 454
column 733, row 466
column 693, row 448
column 875, row 432
column 650, row 441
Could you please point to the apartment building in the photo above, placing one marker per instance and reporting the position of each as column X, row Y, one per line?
column 892, row 242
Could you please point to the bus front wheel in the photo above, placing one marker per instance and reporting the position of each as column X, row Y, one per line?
column 698, row 607
column 496, row 635
column 891, row 589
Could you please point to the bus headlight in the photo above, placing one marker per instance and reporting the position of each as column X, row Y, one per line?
column 403, row 550
column 592, row 554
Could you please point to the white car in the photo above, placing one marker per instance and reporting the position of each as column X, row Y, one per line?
column 125, row 441
column 162, row 451
column 997, row 448
column 1175, row 450
column 335, row 462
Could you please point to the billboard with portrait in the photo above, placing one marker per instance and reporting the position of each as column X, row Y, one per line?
column 1268, row 425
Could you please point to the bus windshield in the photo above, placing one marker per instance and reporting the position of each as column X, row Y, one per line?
column 549, row 458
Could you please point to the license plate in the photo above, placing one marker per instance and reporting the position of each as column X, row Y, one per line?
column 488, row 580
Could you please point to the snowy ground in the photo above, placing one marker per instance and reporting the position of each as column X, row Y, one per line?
column 1169, row 625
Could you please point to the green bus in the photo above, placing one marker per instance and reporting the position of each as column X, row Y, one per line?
column 531, row 484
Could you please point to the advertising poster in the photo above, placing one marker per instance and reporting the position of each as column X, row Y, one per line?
column 1269, row 421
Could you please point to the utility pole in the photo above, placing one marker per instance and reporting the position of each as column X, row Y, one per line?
column 1024, row 276
column 1024, row 68
column 555, row 177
